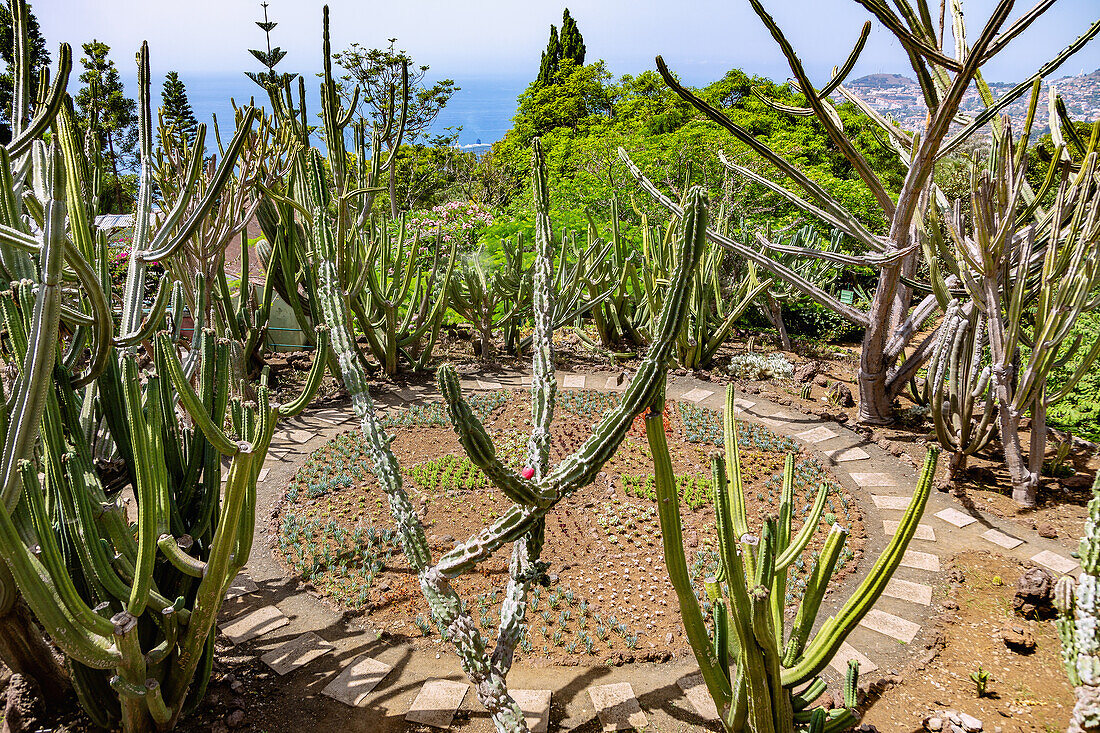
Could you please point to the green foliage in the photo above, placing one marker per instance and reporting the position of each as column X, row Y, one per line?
column 109, row 118
column 270, row 58
column 176, row 108
column 40, row 59
column 1079, row 411
column 566, row 47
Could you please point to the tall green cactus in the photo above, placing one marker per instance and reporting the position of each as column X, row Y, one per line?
column 1078, row 624
column 748, row 595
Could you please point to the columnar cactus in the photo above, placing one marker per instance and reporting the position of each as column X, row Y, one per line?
column 748, row 595
column 1078, row 605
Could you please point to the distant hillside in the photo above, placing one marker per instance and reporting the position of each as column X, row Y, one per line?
column 899, row 98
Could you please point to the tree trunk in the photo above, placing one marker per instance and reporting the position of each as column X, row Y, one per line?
column 22, row 645
column 392, row 186
column 775, row 315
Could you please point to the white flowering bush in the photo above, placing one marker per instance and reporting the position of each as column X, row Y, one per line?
column 754, row 367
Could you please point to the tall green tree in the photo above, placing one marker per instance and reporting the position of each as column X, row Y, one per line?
column 567, row 46
column 176, row 108
column 40, row 59
column 381, row 75
column 109, row 119
column 269, row 58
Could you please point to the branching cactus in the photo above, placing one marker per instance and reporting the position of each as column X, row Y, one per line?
column 1078, row 623
column 748, row 595
column 490, row 296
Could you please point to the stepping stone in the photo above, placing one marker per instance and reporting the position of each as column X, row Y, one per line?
column 867, row 480
column 436, row 703
column 893, row 626
column 407, row 395
column 1001, row 539
column 907, row 590
column 1054, row 561
column 695, row 690
column 277, row 453
column 535, row 705
column 525, row 381
column 743, row 404
column 242, row 585
column 257, row 623
column 920, row 561
column 841, row 455
column 924, row 531
column 296, row 653
column 839, row 662
column 697, row 395
column 778, row 420
column 617, row 707
column 357, row 680
column 489, row 385
column 616, row 381
column 262, row 476
column 573, row 381
column 955, row 517
column 901, row 503
column 816, row 435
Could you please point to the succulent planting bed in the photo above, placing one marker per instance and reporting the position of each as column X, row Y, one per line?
column 609, row 599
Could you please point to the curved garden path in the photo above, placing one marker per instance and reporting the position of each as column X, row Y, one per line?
column 343, row 674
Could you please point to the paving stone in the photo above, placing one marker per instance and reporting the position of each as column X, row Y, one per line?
column 1055, row 562
column 333, row 416
column 242, row 585
column 816, row 435
column 295, row 436
column 924, row 531
column 617, row 707
column 525, row 381
column 489, row 385
column 257, row 623
column 535, row 705
column 407, row 395
column 695, row 690
column 357, row 680
column 1001, row 539
column 615, row 382
column 436, row 703
column 296, row 653
column 743, row 404
column 893, row 626
column 778, row 420
column 842, row 455
column 955, row 517
column 697, row 395
column 262, row 475
column 573, row 381
column 867, row 480
column 891, row 502
column 907, row 590
column 920, row 561
column 839, row 662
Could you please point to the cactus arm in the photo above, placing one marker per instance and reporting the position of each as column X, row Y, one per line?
column 668, row 509
column 828, row 640
column 544, row 386
column 102, row 322
column 191, row 401
column 151, row 320
column 734, row 488
column 144, row 488
column 313, row 380
column 809, row 526
column 47, row 111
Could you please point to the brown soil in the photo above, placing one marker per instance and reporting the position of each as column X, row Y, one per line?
column 1025, row 693
column 608, row 598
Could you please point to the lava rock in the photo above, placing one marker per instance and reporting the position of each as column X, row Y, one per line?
column 1047, row 531
column 1034, row 594
column 970, row 723
column 1019, row 639
column 235, row 719
column 806, row 372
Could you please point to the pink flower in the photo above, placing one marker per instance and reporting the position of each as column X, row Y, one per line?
column 527, row 472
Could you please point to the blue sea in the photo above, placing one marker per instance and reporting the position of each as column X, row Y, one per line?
column 483, row 107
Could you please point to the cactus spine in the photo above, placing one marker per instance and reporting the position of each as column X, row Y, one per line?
column 748, row 594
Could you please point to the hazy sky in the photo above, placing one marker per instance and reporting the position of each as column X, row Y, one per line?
column 698, row 39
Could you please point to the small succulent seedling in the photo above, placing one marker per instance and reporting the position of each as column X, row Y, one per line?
column 980, row 678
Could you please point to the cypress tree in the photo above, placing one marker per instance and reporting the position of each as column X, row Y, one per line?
column 572, row 43
column 551, row 58
column 176, row 108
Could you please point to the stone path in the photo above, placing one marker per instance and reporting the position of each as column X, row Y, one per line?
column 879, row 642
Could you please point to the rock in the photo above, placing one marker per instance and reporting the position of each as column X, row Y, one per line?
column 235, row 719
column 693, row 539
column 839, row 394
column 1019, row 639
column 806, row 372
column 970, row 723
column 866, row 728
column 957, row 576
column 668, row 638
column 23, row 708
column 1047, row 531
column 821, row 380
column 951, row 605
column 1033, row 594
column 933, row 724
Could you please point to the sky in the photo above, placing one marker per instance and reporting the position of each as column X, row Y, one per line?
column 699, row 39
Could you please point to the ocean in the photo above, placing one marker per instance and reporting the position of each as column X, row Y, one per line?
column 483, row 107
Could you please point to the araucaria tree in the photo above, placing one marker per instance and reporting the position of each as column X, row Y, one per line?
column 392, row 95
column 178, row 117
column 109, row 119
column 945, row 68
column 269, row 57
